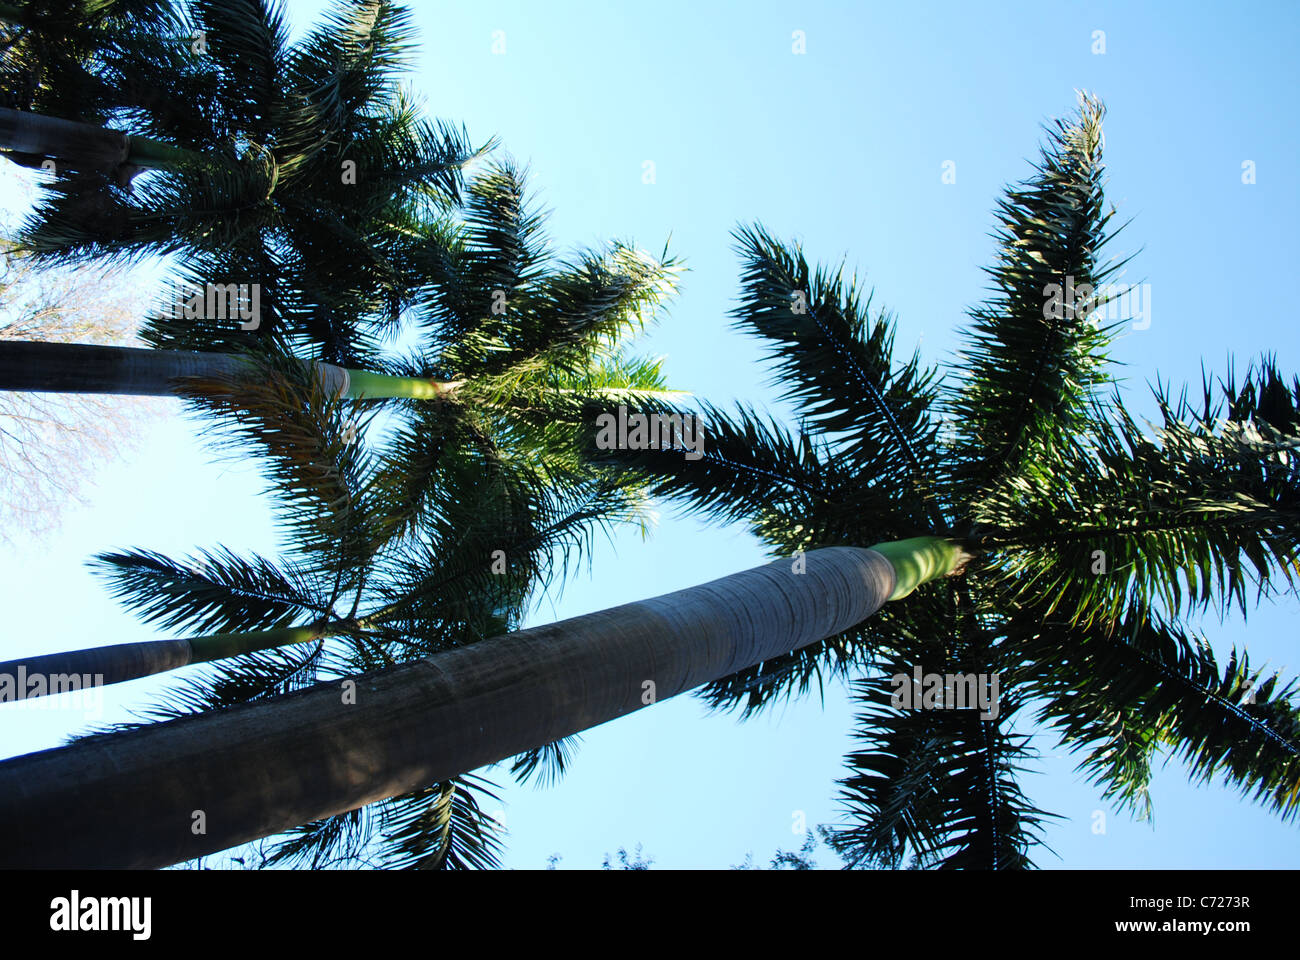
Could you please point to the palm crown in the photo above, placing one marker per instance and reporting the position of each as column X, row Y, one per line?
column 1090, row 540
column 81, row 59
column 305, row 168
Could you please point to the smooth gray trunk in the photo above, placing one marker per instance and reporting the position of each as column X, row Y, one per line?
column 86, row 146
column 31, row 365
column 113, row 664
column 136, row 799
column 122, row 662
column 80, row 144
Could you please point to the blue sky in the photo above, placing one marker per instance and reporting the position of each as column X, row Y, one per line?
column 842, row 147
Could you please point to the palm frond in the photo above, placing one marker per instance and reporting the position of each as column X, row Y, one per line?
column 839, row 366
column 320, row 843
column 63, row 60
column 441, row 828
column 546, row 765
column 1143, row 684
column 489, row 546
column 728, row 466
column 1033, row 361
column 321, row 473
column 248, row 40
column 205, row 212
column 938, row 785
column 497, row 248
column 581, row 311
column 219, row 593
column 1188, row 516
column 351, row 59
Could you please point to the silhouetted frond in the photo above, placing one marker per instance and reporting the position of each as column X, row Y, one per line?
column 218, row 593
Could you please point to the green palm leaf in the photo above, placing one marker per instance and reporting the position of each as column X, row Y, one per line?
column 822, row 340
column 1033, row 360
column 220, row 592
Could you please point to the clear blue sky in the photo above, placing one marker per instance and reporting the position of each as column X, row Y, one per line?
column 842, row 147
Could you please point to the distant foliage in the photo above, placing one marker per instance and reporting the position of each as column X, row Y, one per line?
column 50, row 443
column 638, row 862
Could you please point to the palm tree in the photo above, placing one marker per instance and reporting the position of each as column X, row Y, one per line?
column 364, row 595
column 416, row 596
column 1092, row 540
column 1042, row 472
column 587, row 303
column 557, row 342
column 540, row 350
column 301, row 168
column 437, row 539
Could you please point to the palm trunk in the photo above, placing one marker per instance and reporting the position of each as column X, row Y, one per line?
column 30, row 365
column 100, row 666
column 188, row 787
column 86, row 145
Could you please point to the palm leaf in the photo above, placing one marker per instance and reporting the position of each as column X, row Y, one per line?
column 839, row 366
column 221, row 592
column 1033, row 361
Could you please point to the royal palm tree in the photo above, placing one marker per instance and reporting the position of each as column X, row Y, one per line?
column 497, row 529
column 330, row 100
column 437, row 539
column 1092, row 540
column 994, row 528
column 506, row 332
column 260, row 768
column 357, row 594
column 298, row 167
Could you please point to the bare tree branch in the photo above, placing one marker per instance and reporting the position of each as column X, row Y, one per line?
column 50, row 442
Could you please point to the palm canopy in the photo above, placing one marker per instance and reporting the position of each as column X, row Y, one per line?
column 309, row 166
column 437, row 533
column 522, row 333
column 1039, row 472
column 82, row 59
